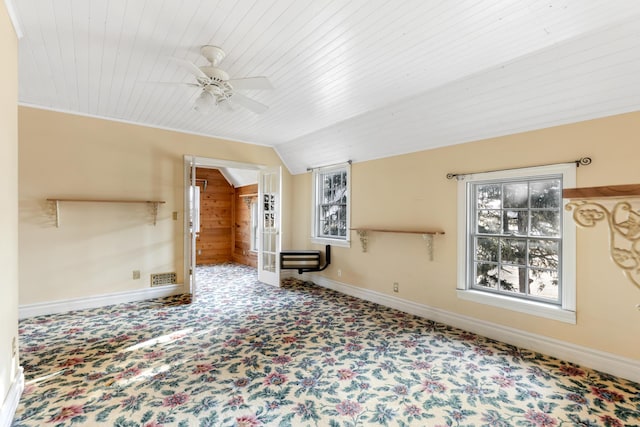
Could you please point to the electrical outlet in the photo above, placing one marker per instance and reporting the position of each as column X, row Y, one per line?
column 136, row 274
column 175, row 215
column 14, row 347
column 395, row 287
column 339, row 273
column 199, row 251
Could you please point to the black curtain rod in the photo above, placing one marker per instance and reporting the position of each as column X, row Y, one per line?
column 583, row 161
column 327, row 166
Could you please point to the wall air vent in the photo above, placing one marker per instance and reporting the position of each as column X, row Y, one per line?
column 161, row 279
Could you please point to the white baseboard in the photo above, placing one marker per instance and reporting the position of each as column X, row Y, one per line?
column 95, row 301
column 10, row 404
column 585, row 356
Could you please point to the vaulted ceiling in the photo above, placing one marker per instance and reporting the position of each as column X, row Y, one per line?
column 353, row 79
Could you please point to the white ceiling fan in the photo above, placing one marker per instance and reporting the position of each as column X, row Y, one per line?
column 217, row 89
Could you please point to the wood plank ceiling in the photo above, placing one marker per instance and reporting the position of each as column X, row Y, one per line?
column 357, row 79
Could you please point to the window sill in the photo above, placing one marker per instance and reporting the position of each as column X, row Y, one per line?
column 533, row 308
column 332, row 242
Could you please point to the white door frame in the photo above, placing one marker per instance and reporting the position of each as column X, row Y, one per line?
column 202, row 162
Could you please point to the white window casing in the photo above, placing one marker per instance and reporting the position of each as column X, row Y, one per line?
column 342, row 237
column 565, row 309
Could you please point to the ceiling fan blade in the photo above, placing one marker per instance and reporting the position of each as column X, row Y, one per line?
column 190, row 66
column 250, row 83
column 248, row 103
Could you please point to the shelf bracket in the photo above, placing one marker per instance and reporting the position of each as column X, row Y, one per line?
column 57, row 212
column 364, row 239
column 154, row 211
column 624, row 232
column 428, row 238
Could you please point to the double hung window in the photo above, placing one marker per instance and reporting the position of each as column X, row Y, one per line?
column 331, row 210
column 519, row 244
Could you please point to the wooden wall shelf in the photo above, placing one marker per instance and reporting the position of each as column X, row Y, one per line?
column 427, row 235
column 630, row 190
column 248, row 198
column 153, row 203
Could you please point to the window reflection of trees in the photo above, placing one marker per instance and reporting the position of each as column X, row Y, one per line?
column 517, row 237
column 333, row 204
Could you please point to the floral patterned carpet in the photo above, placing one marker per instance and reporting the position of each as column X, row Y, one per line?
column 247, row 354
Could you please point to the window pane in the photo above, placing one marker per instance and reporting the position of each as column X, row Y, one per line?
column 322, row 228
column 516, row 222
column 545, row 223
column 489, row 222
column 516, row 195
column 514, row 251
column 513, row 279
column 546, row 194
column 544, row 284
column 341, row 222
column 327, row 189
column 489, row 196
column 270, row 263
column 487, row 249
column 487, row 275
column 544, row 253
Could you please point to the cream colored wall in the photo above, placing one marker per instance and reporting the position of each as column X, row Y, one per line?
column 97, row 246
column 412, row 191
column 8, row 202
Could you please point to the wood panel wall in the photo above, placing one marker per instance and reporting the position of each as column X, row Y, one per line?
column 215, row 243
column 242, row 253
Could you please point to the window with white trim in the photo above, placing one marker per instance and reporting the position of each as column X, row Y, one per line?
column 519, row 242
column 331, row 207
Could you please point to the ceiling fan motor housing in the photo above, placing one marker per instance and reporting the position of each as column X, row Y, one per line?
column 215, row 73
column 214, row 54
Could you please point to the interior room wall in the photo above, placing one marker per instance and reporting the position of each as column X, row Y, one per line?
column 242, row 253
column 411, row 191
column 214, row 244
column 97, row 246
column 9, row 211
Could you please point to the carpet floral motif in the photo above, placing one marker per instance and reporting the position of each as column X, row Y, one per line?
column 246, row 354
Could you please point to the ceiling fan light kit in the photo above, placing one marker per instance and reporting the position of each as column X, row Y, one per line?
column 204, row 103
column 217, row 89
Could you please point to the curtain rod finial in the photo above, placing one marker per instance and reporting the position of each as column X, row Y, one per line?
column 583, row 161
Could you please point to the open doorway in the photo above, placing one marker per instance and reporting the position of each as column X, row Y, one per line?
column 226, row 220
column 227, row 226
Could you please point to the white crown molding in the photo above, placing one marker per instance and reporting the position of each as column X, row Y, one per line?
column 94, row 301
column 146, row 125
column 585, row 356
column 10, row 404
column 13, row 15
